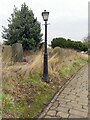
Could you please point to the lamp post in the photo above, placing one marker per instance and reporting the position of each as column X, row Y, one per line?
column 45, row 16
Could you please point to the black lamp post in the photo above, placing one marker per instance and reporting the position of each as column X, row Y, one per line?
column 45, row 16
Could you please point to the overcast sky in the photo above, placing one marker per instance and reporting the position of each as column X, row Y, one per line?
column 67, row 18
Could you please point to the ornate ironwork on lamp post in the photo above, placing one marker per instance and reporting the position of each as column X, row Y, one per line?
column 45, row 16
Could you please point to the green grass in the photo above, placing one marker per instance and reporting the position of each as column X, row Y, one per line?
column 29, row 106
column 70, row 69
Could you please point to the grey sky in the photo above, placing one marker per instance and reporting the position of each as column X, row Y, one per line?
column 68, row 18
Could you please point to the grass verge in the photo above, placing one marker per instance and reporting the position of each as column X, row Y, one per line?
column 24, row 94
column 68, row 70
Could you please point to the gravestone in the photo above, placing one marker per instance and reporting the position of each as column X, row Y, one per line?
column 6, row 53
column 17, row 52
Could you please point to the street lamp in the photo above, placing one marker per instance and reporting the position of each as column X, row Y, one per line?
column 45, row 16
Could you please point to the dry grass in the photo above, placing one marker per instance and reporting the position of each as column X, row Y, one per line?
column 58, row 59
column 22, row 81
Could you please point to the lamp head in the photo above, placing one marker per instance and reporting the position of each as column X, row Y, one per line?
column 45, row 15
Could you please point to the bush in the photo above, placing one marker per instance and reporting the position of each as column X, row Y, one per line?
column 63, row 43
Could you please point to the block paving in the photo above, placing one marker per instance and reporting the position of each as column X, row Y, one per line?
column 72, row 101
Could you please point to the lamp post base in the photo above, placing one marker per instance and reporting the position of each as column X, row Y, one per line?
column 44, row 79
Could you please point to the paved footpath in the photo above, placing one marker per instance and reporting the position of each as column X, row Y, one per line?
column 72, row 102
